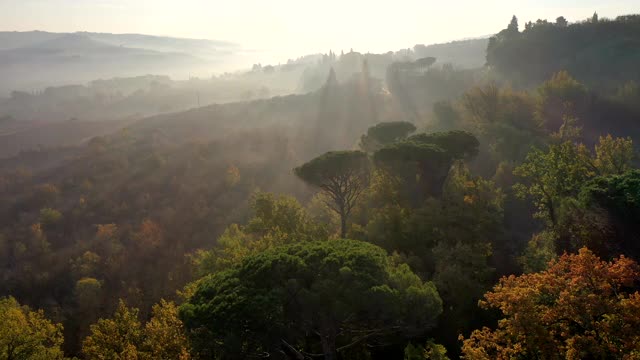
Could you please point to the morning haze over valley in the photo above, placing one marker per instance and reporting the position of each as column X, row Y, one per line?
column 338, row 180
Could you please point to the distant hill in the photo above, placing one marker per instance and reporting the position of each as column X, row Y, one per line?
column 602, row 53
column 78, row 50
column 196, row 47
column 15, row 39
column 34, row 60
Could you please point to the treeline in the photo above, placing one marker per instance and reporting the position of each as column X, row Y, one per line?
column 602, row 53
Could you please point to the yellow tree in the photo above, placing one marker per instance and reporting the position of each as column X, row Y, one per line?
column 164, row 335
column 115, row 339
column 26, row 334
column 581, row 307
column 614, row 156
column 124, row 338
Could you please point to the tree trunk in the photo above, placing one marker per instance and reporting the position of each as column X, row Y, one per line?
column 343, row 217
column 343, row 225
column 329, row 347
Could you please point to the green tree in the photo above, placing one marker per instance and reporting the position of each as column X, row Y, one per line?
column 431, row 351
column 422, row 162
column 554, row 181
column 277, row 220
column 614, row 200
column 540, row 250
column 26, row 334
column 283, row 215
column 342, row 176
column 308, row 299
column 553, row 175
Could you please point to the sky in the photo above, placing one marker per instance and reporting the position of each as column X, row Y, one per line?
column 290, row 28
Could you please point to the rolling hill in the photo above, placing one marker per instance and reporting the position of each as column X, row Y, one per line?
column 34, row 60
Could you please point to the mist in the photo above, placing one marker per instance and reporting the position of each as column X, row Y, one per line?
column 337, row 180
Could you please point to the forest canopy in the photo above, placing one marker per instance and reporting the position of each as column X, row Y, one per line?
column 392, row 206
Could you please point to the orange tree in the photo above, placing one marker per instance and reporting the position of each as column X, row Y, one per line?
column 580, row 308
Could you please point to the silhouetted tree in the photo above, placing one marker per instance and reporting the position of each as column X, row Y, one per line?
column 385, row 133
column 513, row 25
column 562, row 22
column 342, row 176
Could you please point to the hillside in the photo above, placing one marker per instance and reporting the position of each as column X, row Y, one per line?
column 406, row 205
column 602, row 53
column 47, row 56
column 28, row 136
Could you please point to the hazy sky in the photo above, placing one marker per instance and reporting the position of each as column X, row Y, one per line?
column 295, row 27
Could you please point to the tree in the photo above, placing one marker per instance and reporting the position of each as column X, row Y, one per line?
column 594, row 18
column 581, row 307
column 445, row 116
column 560, row 98
column 283, row 215
column 482, row 103
column 124, row 338
column 553, row 175
column 88, row 294
column 504, row 120
column 306, row 299
column 555, row 180
column 276, row 221
column 614, row 156
column 422, row 162
column 164, row 335
column 118, row 338
column 431, row 351
column 615, row 201
column 421, row 168
column 561, row 21
column 385, row 133
column 513, row 25
column 466, row 254
column 342, row 176
column 425, row 62
column 49, row 217
column 331, row 125
column 26, row 334
column 460, row 145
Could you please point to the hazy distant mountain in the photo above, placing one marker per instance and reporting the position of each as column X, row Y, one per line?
column 14, row 39
column 33, row 60
column 80, row 50
column 196, row 47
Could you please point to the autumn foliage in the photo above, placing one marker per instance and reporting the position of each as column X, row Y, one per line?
column 581, row 307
